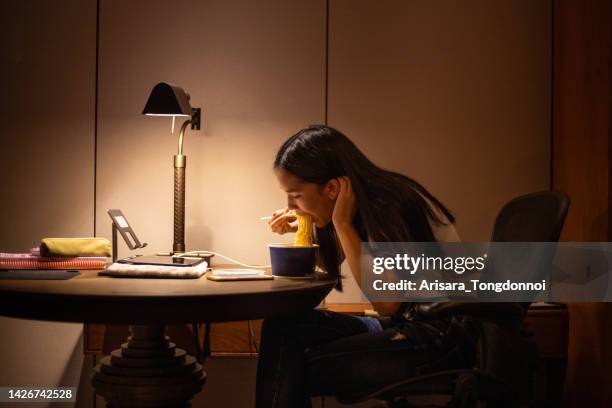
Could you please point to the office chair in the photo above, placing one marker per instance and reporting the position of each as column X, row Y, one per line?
column 501, row 377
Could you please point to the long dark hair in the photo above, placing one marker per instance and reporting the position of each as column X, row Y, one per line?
column 391, row 207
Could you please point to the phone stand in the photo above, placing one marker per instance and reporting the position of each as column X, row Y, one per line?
column 120, row 224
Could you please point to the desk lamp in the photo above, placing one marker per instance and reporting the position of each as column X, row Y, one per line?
column 171, row 100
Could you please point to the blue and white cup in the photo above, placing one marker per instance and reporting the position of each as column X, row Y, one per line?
column 292, row 261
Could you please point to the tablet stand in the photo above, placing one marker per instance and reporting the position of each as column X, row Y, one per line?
column 120, row 224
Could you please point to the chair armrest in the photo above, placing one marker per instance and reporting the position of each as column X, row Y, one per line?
column 481, row 310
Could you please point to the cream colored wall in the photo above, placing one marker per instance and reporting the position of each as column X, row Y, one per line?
column 257, row 71
column 46, row 171
column 453, row 94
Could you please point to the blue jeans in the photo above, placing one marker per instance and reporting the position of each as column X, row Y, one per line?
column 327, row 353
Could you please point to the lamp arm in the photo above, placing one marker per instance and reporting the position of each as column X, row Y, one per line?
column 182, row 135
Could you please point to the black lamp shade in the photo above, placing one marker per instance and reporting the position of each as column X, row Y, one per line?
column 168, row 100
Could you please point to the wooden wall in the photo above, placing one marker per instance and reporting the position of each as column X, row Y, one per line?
column 582, row 167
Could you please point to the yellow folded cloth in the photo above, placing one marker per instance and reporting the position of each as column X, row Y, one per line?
column 75, row 247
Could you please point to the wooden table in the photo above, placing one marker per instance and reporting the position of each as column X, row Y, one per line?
column 149, row 370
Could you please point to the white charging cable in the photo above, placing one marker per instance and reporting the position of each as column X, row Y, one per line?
column 200, row 253
column 202, row 355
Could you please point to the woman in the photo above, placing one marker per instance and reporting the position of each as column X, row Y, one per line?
column 351, row 200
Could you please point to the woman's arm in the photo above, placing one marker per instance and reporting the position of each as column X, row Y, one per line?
column 342, row 217
column 351, row 245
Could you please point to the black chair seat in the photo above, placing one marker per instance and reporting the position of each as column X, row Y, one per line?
column 446, row 383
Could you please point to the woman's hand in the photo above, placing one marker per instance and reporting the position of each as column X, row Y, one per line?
column 345, row 207
column 280, row 222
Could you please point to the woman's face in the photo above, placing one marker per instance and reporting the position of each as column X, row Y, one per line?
column 308, row 198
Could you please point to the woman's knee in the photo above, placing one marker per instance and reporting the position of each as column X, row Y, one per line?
column 293, row 326
column 312, row 327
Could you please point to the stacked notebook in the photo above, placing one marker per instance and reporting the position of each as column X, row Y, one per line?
column 33, row 260
column 61, row 253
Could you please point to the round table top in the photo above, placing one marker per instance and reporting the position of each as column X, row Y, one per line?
column 101, row 299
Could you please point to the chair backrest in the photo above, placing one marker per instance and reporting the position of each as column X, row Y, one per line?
column 536, row 217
